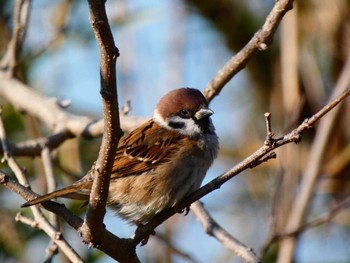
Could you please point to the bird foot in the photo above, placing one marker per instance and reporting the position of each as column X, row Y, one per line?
column 185, row 210
column 140, row 232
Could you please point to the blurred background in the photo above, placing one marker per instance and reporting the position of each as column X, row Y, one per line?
column 170, row 44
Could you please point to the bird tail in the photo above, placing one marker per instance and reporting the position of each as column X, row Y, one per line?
column 74, row 191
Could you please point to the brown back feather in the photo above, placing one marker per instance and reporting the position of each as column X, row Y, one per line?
column 138, row 154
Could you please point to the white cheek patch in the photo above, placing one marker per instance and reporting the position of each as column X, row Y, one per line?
column 159, row 119
column 188, row 126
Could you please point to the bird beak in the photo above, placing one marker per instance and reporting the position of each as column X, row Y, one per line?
column 203, row 112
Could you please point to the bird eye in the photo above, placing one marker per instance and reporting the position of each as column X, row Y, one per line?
column 184, row 113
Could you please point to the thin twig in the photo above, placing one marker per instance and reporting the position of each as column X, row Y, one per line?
column 269, row 133
column 12, row 163
column 259, row 42
column 39, row 218
column 57, row 119
column 11, row 59
column 51, row 186
column 34, row 147
column 51, row 251
column 109, row 242
column 28, row 194
column 213, row 229
column 26, row 220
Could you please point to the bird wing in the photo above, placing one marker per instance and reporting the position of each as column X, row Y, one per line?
column 144, row 149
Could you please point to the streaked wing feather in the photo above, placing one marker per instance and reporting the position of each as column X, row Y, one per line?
column 143, row 149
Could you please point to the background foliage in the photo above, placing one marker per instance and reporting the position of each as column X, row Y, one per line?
column 167, row 44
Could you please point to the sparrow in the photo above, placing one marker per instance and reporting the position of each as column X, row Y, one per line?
column 159, row 163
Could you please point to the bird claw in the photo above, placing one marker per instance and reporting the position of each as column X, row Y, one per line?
column 144, row 241
column 185, row 210
column 139, row 231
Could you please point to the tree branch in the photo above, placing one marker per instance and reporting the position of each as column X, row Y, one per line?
column 101, row 171
column 11, row 58
column 108, row 242
column 213, row 229
column 20, row 189
column 260, row 42
column 51, row 186
column 51, row 112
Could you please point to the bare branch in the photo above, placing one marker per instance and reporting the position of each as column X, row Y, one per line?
column 93, row 223
column 10, row 60
column 52, row 250
column 103, row 167
column 50, row 111
column 22, row 190
column 108, row 242
column 28, row 194
column 259, row 42
column 19, row 172
column 26, row 220
column 213, row 229
column 51, row 186
column 34, row 147
column 47, row 110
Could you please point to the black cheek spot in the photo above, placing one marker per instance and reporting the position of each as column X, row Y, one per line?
column 177, row 125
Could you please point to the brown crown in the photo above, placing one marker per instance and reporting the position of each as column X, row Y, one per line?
column 183, row 98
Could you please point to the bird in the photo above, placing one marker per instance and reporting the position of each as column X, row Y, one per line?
column 159, row 163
